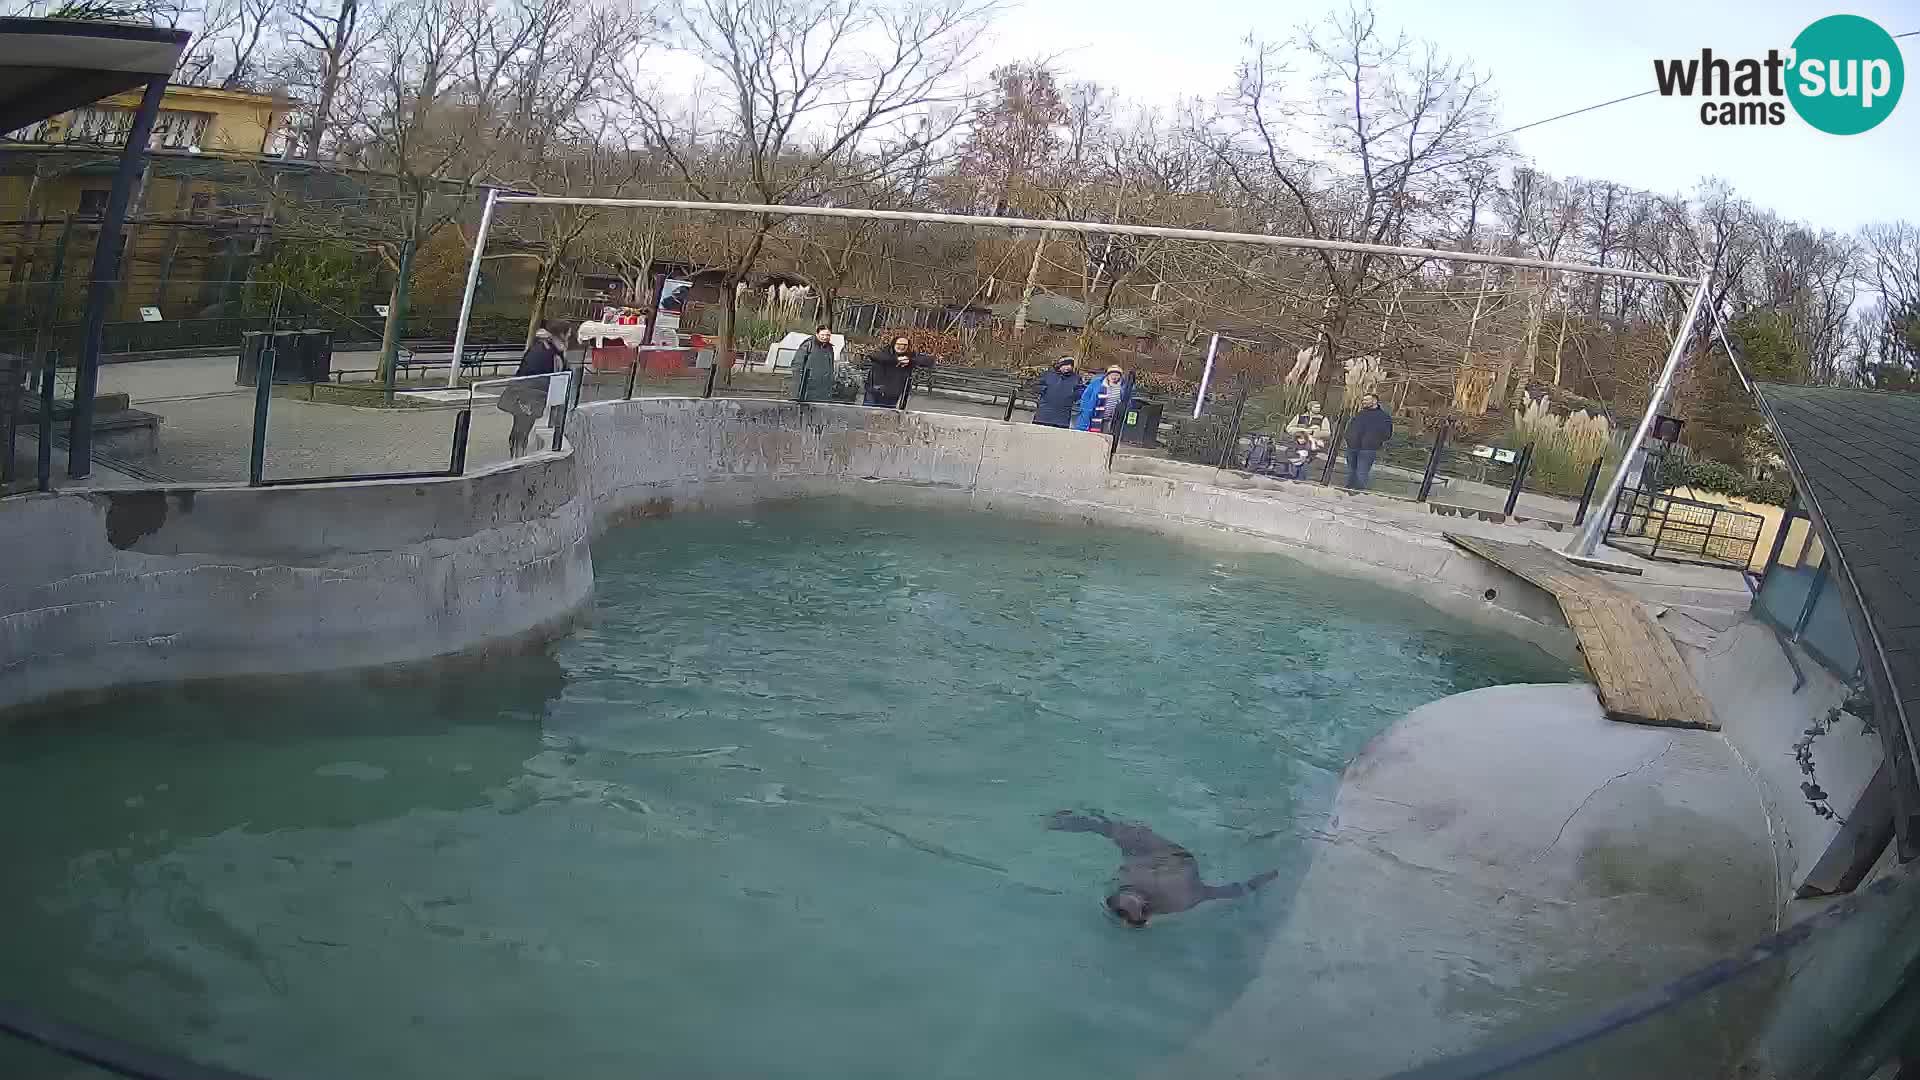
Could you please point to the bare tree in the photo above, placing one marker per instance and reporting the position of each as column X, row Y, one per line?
column 802, row 83
column 225, row 49
column 327, row 37
column 1409, row 123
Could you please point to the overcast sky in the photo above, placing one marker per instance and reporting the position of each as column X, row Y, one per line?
column 1546, row 57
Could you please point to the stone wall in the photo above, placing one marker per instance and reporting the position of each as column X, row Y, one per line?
column 115, row 588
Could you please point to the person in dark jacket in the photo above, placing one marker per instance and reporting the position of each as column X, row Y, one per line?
column 1059, row 394
column 526, row 400
column 1367, row 432
column 813, row 367
column 888, row 370
column 1104, row 402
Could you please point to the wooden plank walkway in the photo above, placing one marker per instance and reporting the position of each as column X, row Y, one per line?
column 1641, row 677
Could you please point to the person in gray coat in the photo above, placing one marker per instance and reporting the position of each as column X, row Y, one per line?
column 813, row 367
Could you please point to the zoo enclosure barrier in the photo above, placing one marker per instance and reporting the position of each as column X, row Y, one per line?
column 1659, row 525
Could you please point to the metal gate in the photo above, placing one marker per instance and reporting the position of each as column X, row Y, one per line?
column 1656, row 525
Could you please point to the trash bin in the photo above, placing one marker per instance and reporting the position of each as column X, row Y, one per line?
column 316, row 356
column 1143, row 423
column 248, row 371
column 286, row 356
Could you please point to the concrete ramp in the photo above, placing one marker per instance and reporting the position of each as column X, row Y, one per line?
column 1641, row 677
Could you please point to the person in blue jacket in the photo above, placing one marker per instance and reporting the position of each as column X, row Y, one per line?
column 1103, row 403
column 1059, row 394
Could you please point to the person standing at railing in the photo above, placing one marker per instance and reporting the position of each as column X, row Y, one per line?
column 526, row 399
column 1103, row 403
column 888, row 370
column 813, row 366
column 1059, row 394
column 1315, row 424
column 1367, row 432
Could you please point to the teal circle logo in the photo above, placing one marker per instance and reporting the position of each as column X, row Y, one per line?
column 1847, row 74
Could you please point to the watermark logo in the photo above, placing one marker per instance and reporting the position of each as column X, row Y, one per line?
column 1843, row 75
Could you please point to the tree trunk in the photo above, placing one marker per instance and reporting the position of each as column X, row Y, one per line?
column 1333, row 321
column 1473, row 324
column 542, row 289
column 1558, row 346
column 397, row 315
column 329, row 78
column 1026, row 294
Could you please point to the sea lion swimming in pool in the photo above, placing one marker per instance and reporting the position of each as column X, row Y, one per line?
column 1156, row 875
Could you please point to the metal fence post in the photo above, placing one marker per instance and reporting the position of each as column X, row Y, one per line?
column 633, row 374
column 1012, row 393
column 43, row 475
column 1586, row 496
column 1666, row 512
column 457, row 466
column 1433, row 461
column 1519, row 478
column 1333, row 451
column 1120, row 420
column 1233, row 431
column 713, row 372
column 262, row 401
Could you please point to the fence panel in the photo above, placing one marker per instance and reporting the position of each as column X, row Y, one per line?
column 1657, row 525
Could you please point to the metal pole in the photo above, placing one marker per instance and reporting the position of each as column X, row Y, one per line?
column 105, row 275
column 1586, row 496
column 1095, row 228
column 1519, row 478
column 262, row 402
column 1333, row 451
column 1120, row 419
column 1206, row 376
column 44, row 466
column 457, row 466
column 1587, row 541
column 1012, row 393
column 1433, row 461
column 473, row 282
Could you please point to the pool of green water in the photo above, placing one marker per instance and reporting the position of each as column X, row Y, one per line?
column 777, row 810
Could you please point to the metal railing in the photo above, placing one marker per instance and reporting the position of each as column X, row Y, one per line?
column 1657, row 525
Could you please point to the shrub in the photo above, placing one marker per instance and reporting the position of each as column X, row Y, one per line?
column 1564, row 447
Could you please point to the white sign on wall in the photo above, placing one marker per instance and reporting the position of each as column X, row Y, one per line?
column 150, row 314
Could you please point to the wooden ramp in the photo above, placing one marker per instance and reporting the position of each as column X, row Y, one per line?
column 1641, row 677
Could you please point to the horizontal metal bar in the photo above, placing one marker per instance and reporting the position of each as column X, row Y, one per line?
column 1095, row 228
column 285, row 481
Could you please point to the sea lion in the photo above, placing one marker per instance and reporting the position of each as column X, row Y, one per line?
column 1156, row 875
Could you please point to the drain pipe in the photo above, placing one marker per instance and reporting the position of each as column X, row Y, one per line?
column 1588, row 539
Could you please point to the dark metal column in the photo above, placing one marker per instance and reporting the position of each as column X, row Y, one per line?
column 101, row 280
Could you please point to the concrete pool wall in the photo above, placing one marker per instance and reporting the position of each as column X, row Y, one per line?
column 657, row 456
column 117, row 588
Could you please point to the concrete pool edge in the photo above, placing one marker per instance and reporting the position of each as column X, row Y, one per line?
column 112, row 589
column 658, row 456
column 122, row 588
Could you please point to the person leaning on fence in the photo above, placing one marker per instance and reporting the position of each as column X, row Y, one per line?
column 1059, row 394
column 888, row 370
column 526, row 399
column 1104, row 402
column 1314, row 423
column 813, row 366
column 1367, row 432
